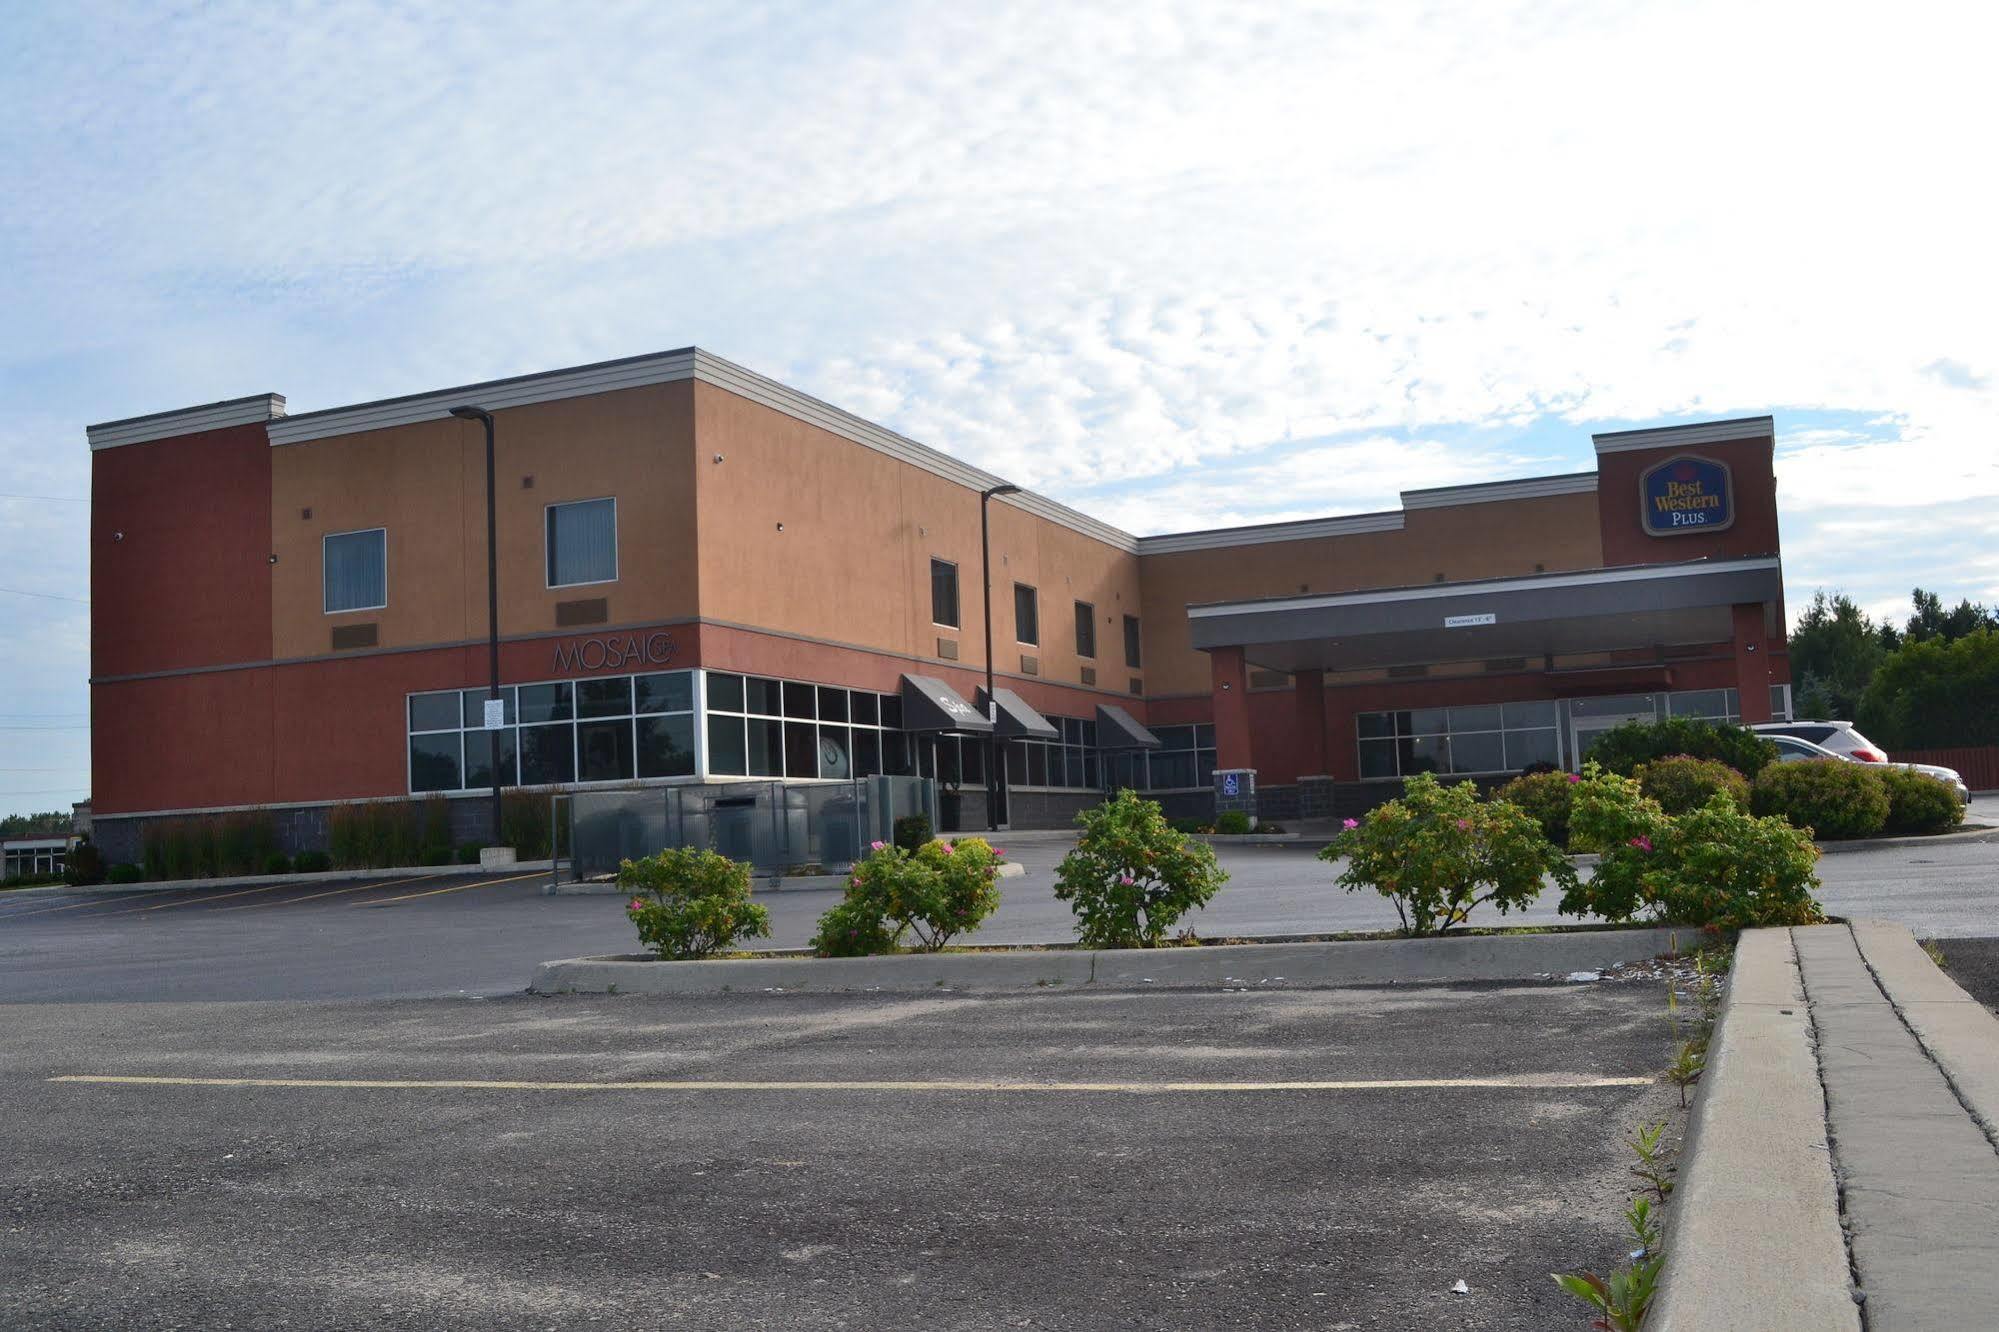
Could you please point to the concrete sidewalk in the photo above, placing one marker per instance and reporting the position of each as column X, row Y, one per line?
column 1852, row 1090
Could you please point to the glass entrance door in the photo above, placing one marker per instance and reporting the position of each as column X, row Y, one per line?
column 1589, row 718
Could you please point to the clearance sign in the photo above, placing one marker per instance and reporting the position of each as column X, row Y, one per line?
column 1684, row 495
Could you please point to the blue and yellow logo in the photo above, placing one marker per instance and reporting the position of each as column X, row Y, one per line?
column 1683, row 495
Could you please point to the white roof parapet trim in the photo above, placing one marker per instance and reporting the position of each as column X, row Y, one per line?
column 1630, row 573
column 1222, row 538
column 1693, row 433
column 1488, row 492
column 257, row 408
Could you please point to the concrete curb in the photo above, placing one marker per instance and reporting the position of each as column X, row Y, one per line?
column 1264, row 965
column 796, row 883
column 323, row 876
column 1755, row 1243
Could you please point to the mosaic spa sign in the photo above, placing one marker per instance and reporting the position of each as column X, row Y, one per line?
column 614, row 652
column 1685, row 495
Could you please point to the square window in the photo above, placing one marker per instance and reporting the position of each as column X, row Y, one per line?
column 801, row 749
column 762, row 698
column 867, row 709
column 668, row 691
column 354, row 569
column 1377, row 758
column 582, row 542
column 604, row 751
column 1425, row 721
column 478, row 766
column 832, row 704
column 604, row 698
column 1376, row 725
column 1530, row 714
column 1483, row 718
column 867, row 753
column 434, row 762
column 1429, row 753
column 475, row 707
column 1525, row 747
column 892, row 715
column 726, row 756
column 972, row 760
column 766, row 748
column 434, row 712
column 1479, row 751
column 798, row 700
column 666, row 746
column 1026, row 615
column 835, row 757
column 548, row 754
column 546, row 702
column 944, row 593
column 725, row 692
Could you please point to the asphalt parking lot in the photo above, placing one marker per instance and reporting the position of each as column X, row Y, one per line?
column 959, row 1178
column 438, row 935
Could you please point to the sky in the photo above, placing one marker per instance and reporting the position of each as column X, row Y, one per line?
column 1177, row 265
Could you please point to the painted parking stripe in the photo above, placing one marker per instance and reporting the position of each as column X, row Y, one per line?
column 260, row 888
column 334, row 892
column 454, row 888
column 1524, row 1081
column 97, row 901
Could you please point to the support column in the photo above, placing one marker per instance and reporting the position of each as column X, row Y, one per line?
column 1229, row 676
column 1309, row 689
column 1752, row 662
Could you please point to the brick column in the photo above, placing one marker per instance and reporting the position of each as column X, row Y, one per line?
column 1309, row 691
column 1752, row 662
column 1229, row 676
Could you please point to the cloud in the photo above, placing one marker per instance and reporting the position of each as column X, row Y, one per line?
column 1956, row 374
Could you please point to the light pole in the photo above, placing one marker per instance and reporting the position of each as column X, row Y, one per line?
column 485, row 418
column 992, row 700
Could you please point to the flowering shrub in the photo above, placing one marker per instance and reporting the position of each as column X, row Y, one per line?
column 1433, row 851
column 688, row 903
column 1719, row 866
column 1917, row 802
column 1681, row 782
column 933, row 894
column 1546, row 796
column 1131, row 877
column 1827, row 797
column 1611, row 815
column 1622, row 748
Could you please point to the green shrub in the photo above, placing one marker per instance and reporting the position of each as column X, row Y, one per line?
column 1622, row 748
column 1681, row 782
column 1131, row 877
column 278, row 864
column 312, row 862
column 1232, row 822
column 125, row 874
column 468, row 853
column 912, row 831
column 1431, row 851
column 1718, row 866
column 85, row 864
column 1830, row 798
column 376, row 834
column 1546, row 797
column 1609, row 814
column 208, row 846
column 1185, row 825
column 1918, row 802
column 439, row 854
column 940, row 891
column 689, row 903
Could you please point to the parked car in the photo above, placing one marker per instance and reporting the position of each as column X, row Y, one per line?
column 1838, row 736
column 1791, row 749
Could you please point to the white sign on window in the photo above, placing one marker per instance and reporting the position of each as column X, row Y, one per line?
column 1468, row 621
column 496, row 713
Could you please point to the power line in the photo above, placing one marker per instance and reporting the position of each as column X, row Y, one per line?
column 46, row 596
column 47, row 790
column 56, row 499
column 78, row 727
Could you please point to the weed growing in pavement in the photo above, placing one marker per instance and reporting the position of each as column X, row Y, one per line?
column 1652, row 1167
column 1687, row 1067
column 1935, row 952
column 1622, row 1299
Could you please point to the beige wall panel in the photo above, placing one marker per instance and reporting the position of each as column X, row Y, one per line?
column 426, row 483
column 852, row 563
column 1493, row 540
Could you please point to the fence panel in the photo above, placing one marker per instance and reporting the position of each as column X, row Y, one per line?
column 1977, row 764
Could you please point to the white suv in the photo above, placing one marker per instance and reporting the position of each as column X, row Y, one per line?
column 1800, row 740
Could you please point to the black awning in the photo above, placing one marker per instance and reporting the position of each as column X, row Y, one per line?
column 1017, row 721
column 928, row 704
column 1118, row 729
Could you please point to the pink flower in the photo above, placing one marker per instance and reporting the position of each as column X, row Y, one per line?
column 1575, row 777
column 1350, row 824
column 1464, row 823
column 1642, row 843
column 636, row 904
column 998, row 852
column 948, row 848
column 876, row 846
column 1126, row 880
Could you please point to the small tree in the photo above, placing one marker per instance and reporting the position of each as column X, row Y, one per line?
column 1433, row 851
column 1131, row 876
column 935, row 893
column 1622, row 748
column 1720, row 867
column 689, row 903
column 1610, row 815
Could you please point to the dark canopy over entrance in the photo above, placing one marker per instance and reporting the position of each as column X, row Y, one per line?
column 928, row 704
column 1118, row 729
column 1018, row 721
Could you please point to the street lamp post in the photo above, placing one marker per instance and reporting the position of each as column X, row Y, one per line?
column 992, row 699
column 485, row 418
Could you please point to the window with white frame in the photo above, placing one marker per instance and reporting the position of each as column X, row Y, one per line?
column 602, row 729
column 354, row 571
column 582, row 542
column 760, row 727
column 1483, row 738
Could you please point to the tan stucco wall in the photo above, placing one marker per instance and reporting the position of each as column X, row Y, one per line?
column 852, row 563
column 426, row 484
column 1494, row 540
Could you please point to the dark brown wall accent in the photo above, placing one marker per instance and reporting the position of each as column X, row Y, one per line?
column 1754, row 532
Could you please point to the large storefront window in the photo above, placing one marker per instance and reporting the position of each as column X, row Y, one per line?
column 606, row 729
column 1068, row 763
column 1185, row 760
column 1487, row 738
column 759, row 727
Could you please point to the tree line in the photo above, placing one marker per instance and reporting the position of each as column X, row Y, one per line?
column 55, row 823
column 1933, row 682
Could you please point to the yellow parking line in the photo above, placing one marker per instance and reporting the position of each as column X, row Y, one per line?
column 1533, row 1081
column 333, row 892
column 100, row 901
column 242, row 892
column 455, row 888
